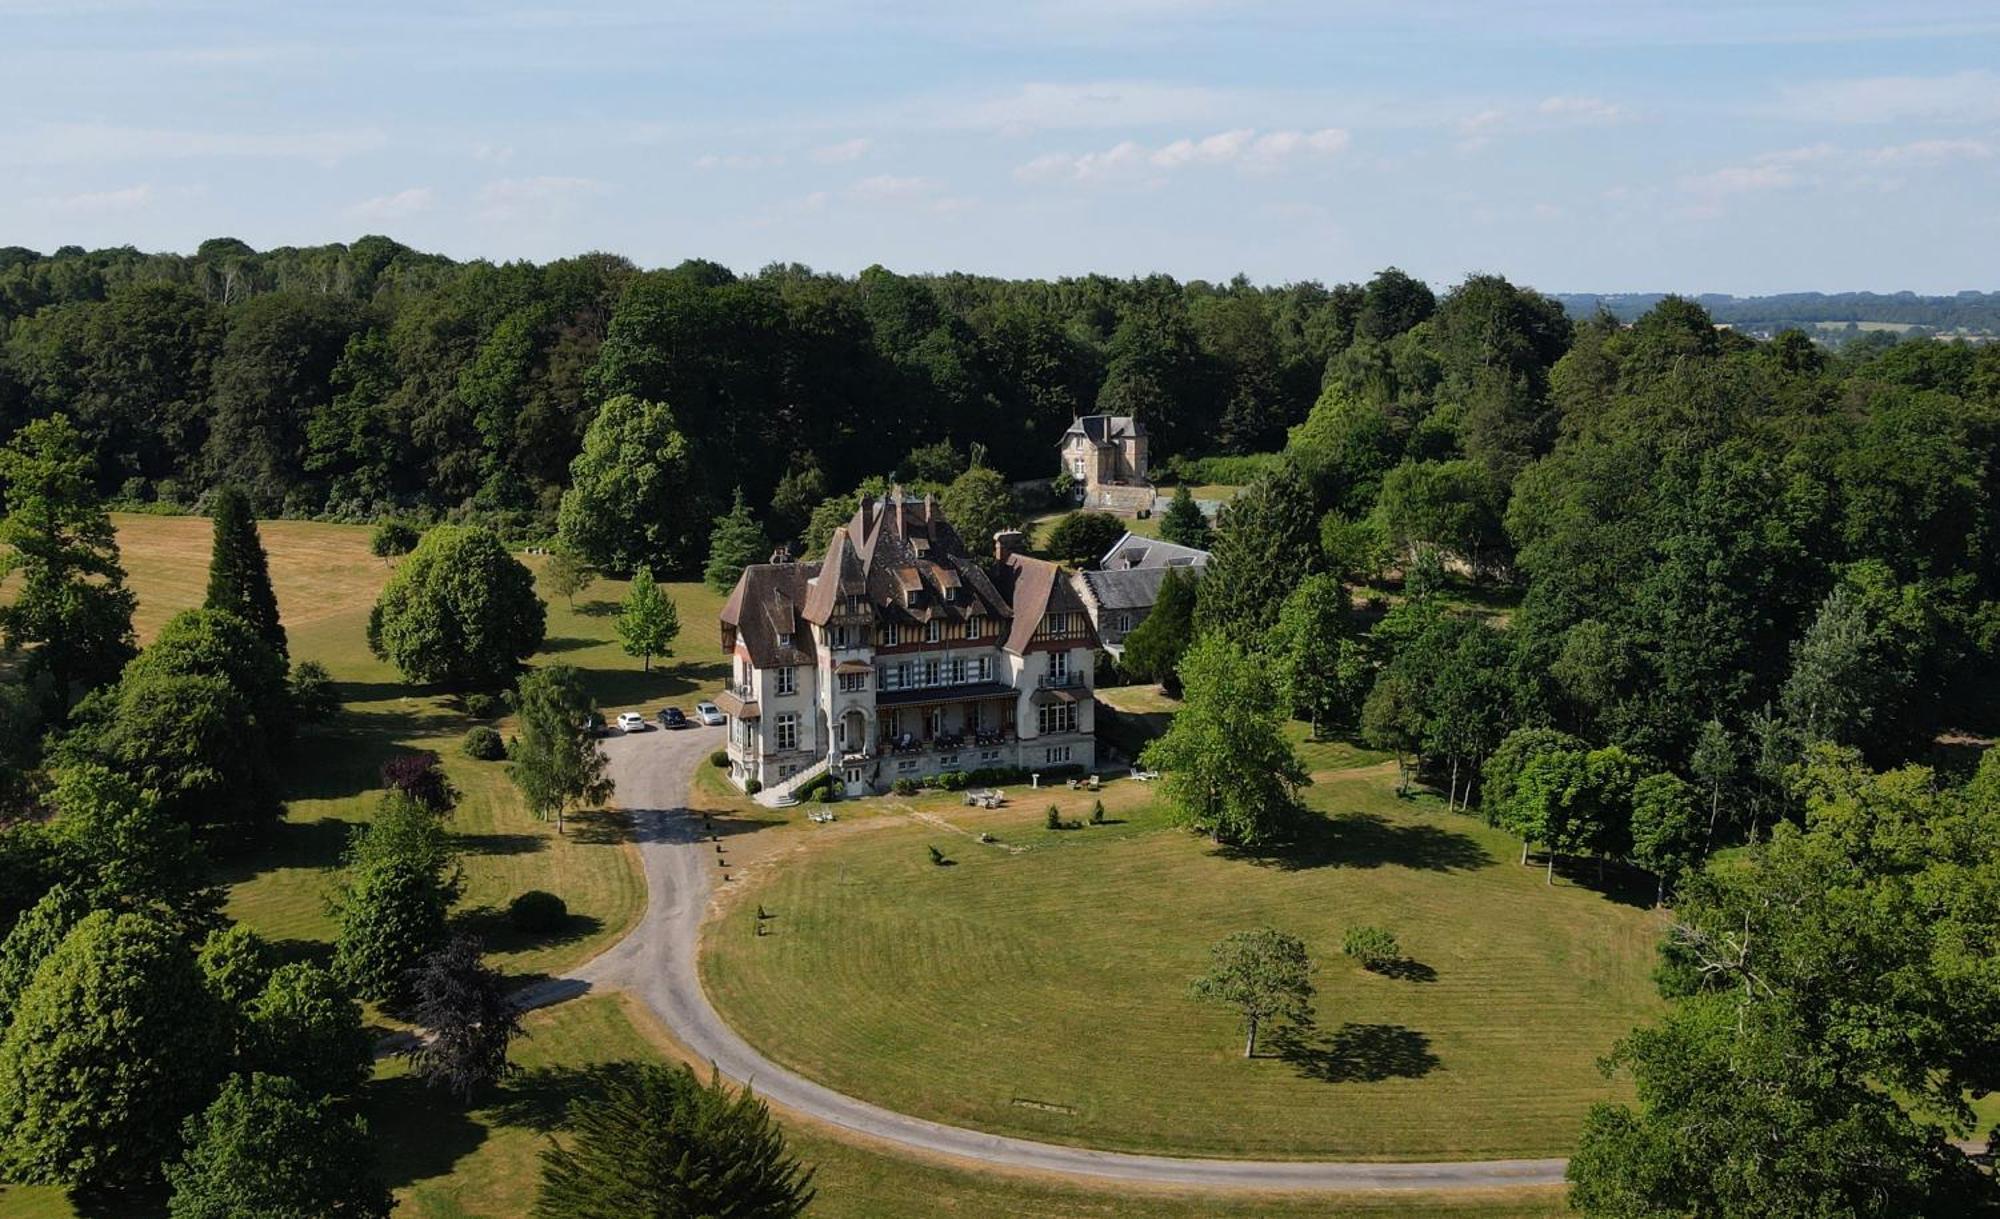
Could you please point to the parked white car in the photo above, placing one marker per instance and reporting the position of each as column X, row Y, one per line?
column 710, row 714
column 631, row 721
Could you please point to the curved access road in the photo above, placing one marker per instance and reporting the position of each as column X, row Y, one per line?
column 656, row 962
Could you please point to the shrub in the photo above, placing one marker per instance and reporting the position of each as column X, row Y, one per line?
column 537, row 911
column 719, row 759
column 1097, row 812
column 995, row 776
column 1053, row 820
column 952, row 780
column 484, row 744
column 481, row 706
column 904, row 787
column 752, row 787
column 393, row 538
column 421, row 777
column 937, row 856
column 1371, row 946
column 313, row 696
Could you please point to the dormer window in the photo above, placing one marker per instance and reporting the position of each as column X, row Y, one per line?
column 784, row 639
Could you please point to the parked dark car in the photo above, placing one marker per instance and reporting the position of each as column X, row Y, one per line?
column 673, row 717
column 593, row 725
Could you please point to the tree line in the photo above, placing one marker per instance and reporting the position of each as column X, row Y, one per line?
column 362, row 381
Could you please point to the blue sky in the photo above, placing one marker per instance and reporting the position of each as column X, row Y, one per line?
column 1572, row 144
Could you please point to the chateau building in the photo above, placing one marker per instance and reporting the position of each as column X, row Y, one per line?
column 1126, row 585
column 902, row 655
column 1106, row 455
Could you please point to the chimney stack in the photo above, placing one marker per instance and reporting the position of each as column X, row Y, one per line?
column 1009, row 542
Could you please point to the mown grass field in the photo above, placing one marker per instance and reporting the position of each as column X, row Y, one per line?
column 447, row 1162
column 1038, row 986
column 326, row 582
column 444, row 1160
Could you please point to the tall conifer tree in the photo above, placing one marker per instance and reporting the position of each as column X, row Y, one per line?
column 239, row 573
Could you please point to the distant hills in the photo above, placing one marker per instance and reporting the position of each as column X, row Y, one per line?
column 1972, row 314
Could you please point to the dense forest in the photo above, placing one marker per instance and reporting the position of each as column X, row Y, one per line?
column 1687, row 516
column 353, row 381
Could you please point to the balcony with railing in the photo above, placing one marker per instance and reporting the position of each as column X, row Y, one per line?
column 1071, row 680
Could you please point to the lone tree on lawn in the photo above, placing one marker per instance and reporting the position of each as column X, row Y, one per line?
column 1264, row 974
column 460, row 610
column 463, row 1003
column 555, row 761
column 1230, row 772
column 736, row 542
column 239, row 572
column 657, row 1141
column 567, row 575
column 649, row 622
column 1183, row 522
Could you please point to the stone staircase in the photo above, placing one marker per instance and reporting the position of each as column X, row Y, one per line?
column 783, row 795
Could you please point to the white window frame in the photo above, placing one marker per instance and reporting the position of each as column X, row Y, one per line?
column 1053, row 718
column 786, row 681
column 785, row 731
column 1056, row 755
column 933, row 631
column 1058, row 666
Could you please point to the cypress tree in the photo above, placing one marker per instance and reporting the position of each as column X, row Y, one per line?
column 239, row 573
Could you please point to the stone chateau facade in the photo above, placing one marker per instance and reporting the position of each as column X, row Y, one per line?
column 902, row 654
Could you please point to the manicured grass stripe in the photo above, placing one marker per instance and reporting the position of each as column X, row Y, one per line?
column 1058, row 975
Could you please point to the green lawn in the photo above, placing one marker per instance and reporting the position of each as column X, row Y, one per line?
column 449, row 1162
column 1038, row 985
column 326, row 582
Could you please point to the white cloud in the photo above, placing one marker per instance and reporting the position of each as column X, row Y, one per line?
column 1929, row 152
column 395, row 206
column 1243, row 147
column 884, row 188
column 845, row 150
column 738, row 160
column 1967, row 97
column 508, row 199
column 1594, row 111
column 86, row 143
column 124, row 199
column 1097, row 104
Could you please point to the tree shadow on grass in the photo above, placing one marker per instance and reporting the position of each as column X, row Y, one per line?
column 501, row 844
column 490, row 925
column 1356, row 1053
column 600, row 827
column 1403, row 969
column 288, row 844
column 1614, row 881
column 539, row 1099
column 110, row 1204
column 634, row 686
column 566, row 643
column 419, row 1132
column 1367, row 840
column 597, row 607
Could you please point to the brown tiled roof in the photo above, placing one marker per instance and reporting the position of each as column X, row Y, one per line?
column 893, row 546
column 1036, row 587
column 763, row 606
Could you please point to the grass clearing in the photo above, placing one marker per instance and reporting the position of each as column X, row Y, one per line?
column 1037, row 986
column 326, row 583
column 483, row 1162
